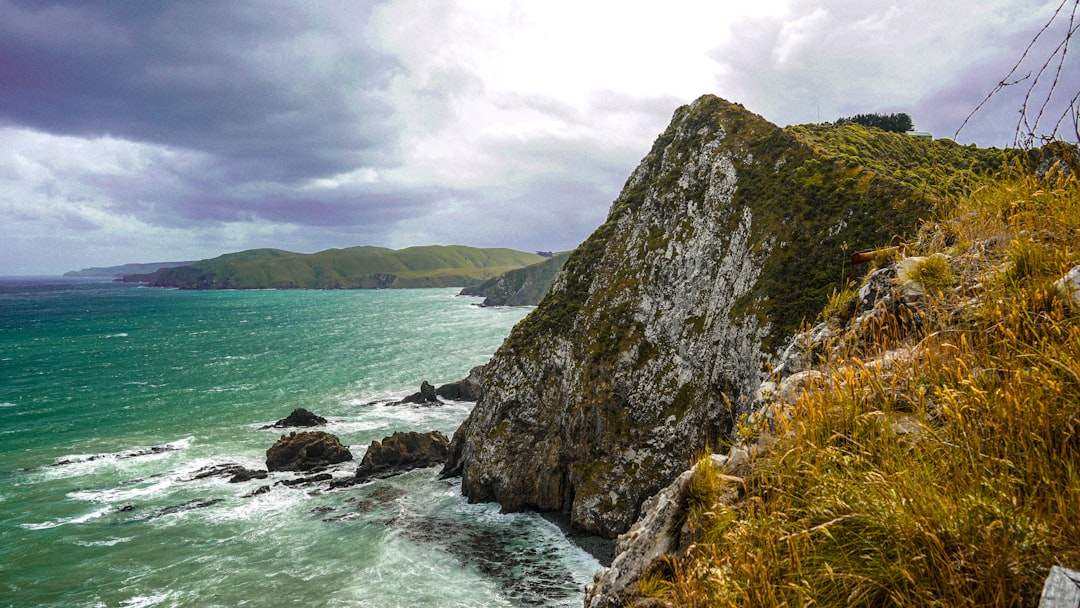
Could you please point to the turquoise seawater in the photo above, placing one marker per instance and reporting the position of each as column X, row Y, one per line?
column 114, row 397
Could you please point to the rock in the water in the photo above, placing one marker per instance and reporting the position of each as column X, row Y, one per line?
column 402, row 452
column 463, row 390
column 426, row 396
column 298, row 417
column 307, row 480
column 236, row 473
column 306, row 451
column 257, row 491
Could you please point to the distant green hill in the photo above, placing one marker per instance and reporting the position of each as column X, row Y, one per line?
column 125, row 269
column 352, row 268
column 522, row 286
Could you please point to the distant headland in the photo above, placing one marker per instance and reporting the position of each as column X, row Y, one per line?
column 363, row 267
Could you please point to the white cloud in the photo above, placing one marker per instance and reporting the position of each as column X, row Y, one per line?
column 825, row 59
column 480, row 74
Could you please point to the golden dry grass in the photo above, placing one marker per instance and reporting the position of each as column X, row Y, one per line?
column 947, row 477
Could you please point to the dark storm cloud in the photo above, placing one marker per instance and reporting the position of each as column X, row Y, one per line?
column 252, row 84
column 153, row 130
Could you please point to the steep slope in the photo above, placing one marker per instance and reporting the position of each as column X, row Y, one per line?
column 352, row 268
column 521, row 287
column 653, row 339
column 928, row 457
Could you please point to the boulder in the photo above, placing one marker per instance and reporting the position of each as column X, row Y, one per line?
column 306, row 451
column 402, row 452
column 298, row 417
column 463, row 390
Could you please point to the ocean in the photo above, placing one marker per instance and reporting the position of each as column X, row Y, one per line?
column 114, row 398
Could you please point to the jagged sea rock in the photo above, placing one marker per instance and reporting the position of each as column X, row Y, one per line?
column 402, row 452
column 426, row 396
column 298, row 417
column 306, row 451
column 653, row 339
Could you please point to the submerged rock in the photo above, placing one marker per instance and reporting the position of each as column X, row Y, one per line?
column 235, row 472
column 306, row 451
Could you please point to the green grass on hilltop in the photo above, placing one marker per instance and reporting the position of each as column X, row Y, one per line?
column 947, row 476
column 355, row 267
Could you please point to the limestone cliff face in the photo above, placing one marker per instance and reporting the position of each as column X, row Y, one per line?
column 655, row 336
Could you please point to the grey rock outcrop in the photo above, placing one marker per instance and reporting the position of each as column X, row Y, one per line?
column 656, row 334
column 467, row 389
column 306, row 451
column 654, row 536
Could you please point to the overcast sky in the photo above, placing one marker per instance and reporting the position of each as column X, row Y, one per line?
column 155, row 131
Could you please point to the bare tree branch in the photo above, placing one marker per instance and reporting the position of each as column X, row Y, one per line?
column 1027, row 126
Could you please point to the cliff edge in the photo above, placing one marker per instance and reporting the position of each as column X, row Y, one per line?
column 654, row 338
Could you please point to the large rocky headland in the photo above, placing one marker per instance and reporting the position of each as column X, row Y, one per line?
column 666, row 329
column 657, row 333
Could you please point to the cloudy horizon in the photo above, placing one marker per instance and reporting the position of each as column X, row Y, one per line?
column 145, row 132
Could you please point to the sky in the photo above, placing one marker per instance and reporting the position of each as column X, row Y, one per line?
column 136, row 131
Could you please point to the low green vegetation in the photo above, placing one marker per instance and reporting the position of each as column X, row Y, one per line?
column 352, row 268
column 899, row 122
column 948, row 476
column 822, row 192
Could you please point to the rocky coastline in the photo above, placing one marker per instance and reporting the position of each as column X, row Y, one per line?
column 655, row 337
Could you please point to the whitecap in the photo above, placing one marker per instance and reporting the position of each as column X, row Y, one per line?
column 103, row 543
column 7, row 404
column 67, row 520
column 144, row 601
column 73, row 465
column 123, row 494
column 259, row 507
column 118, row 335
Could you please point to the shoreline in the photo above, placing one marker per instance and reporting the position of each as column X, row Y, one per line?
column 603, row 549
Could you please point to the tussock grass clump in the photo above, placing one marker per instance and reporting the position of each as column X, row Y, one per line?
column 933, row 273
column 947, row 475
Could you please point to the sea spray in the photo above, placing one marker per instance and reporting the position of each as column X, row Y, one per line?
column 115, row 397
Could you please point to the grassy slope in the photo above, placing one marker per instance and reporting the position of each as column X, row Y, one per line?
column 977, row 493
column 431, row 266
